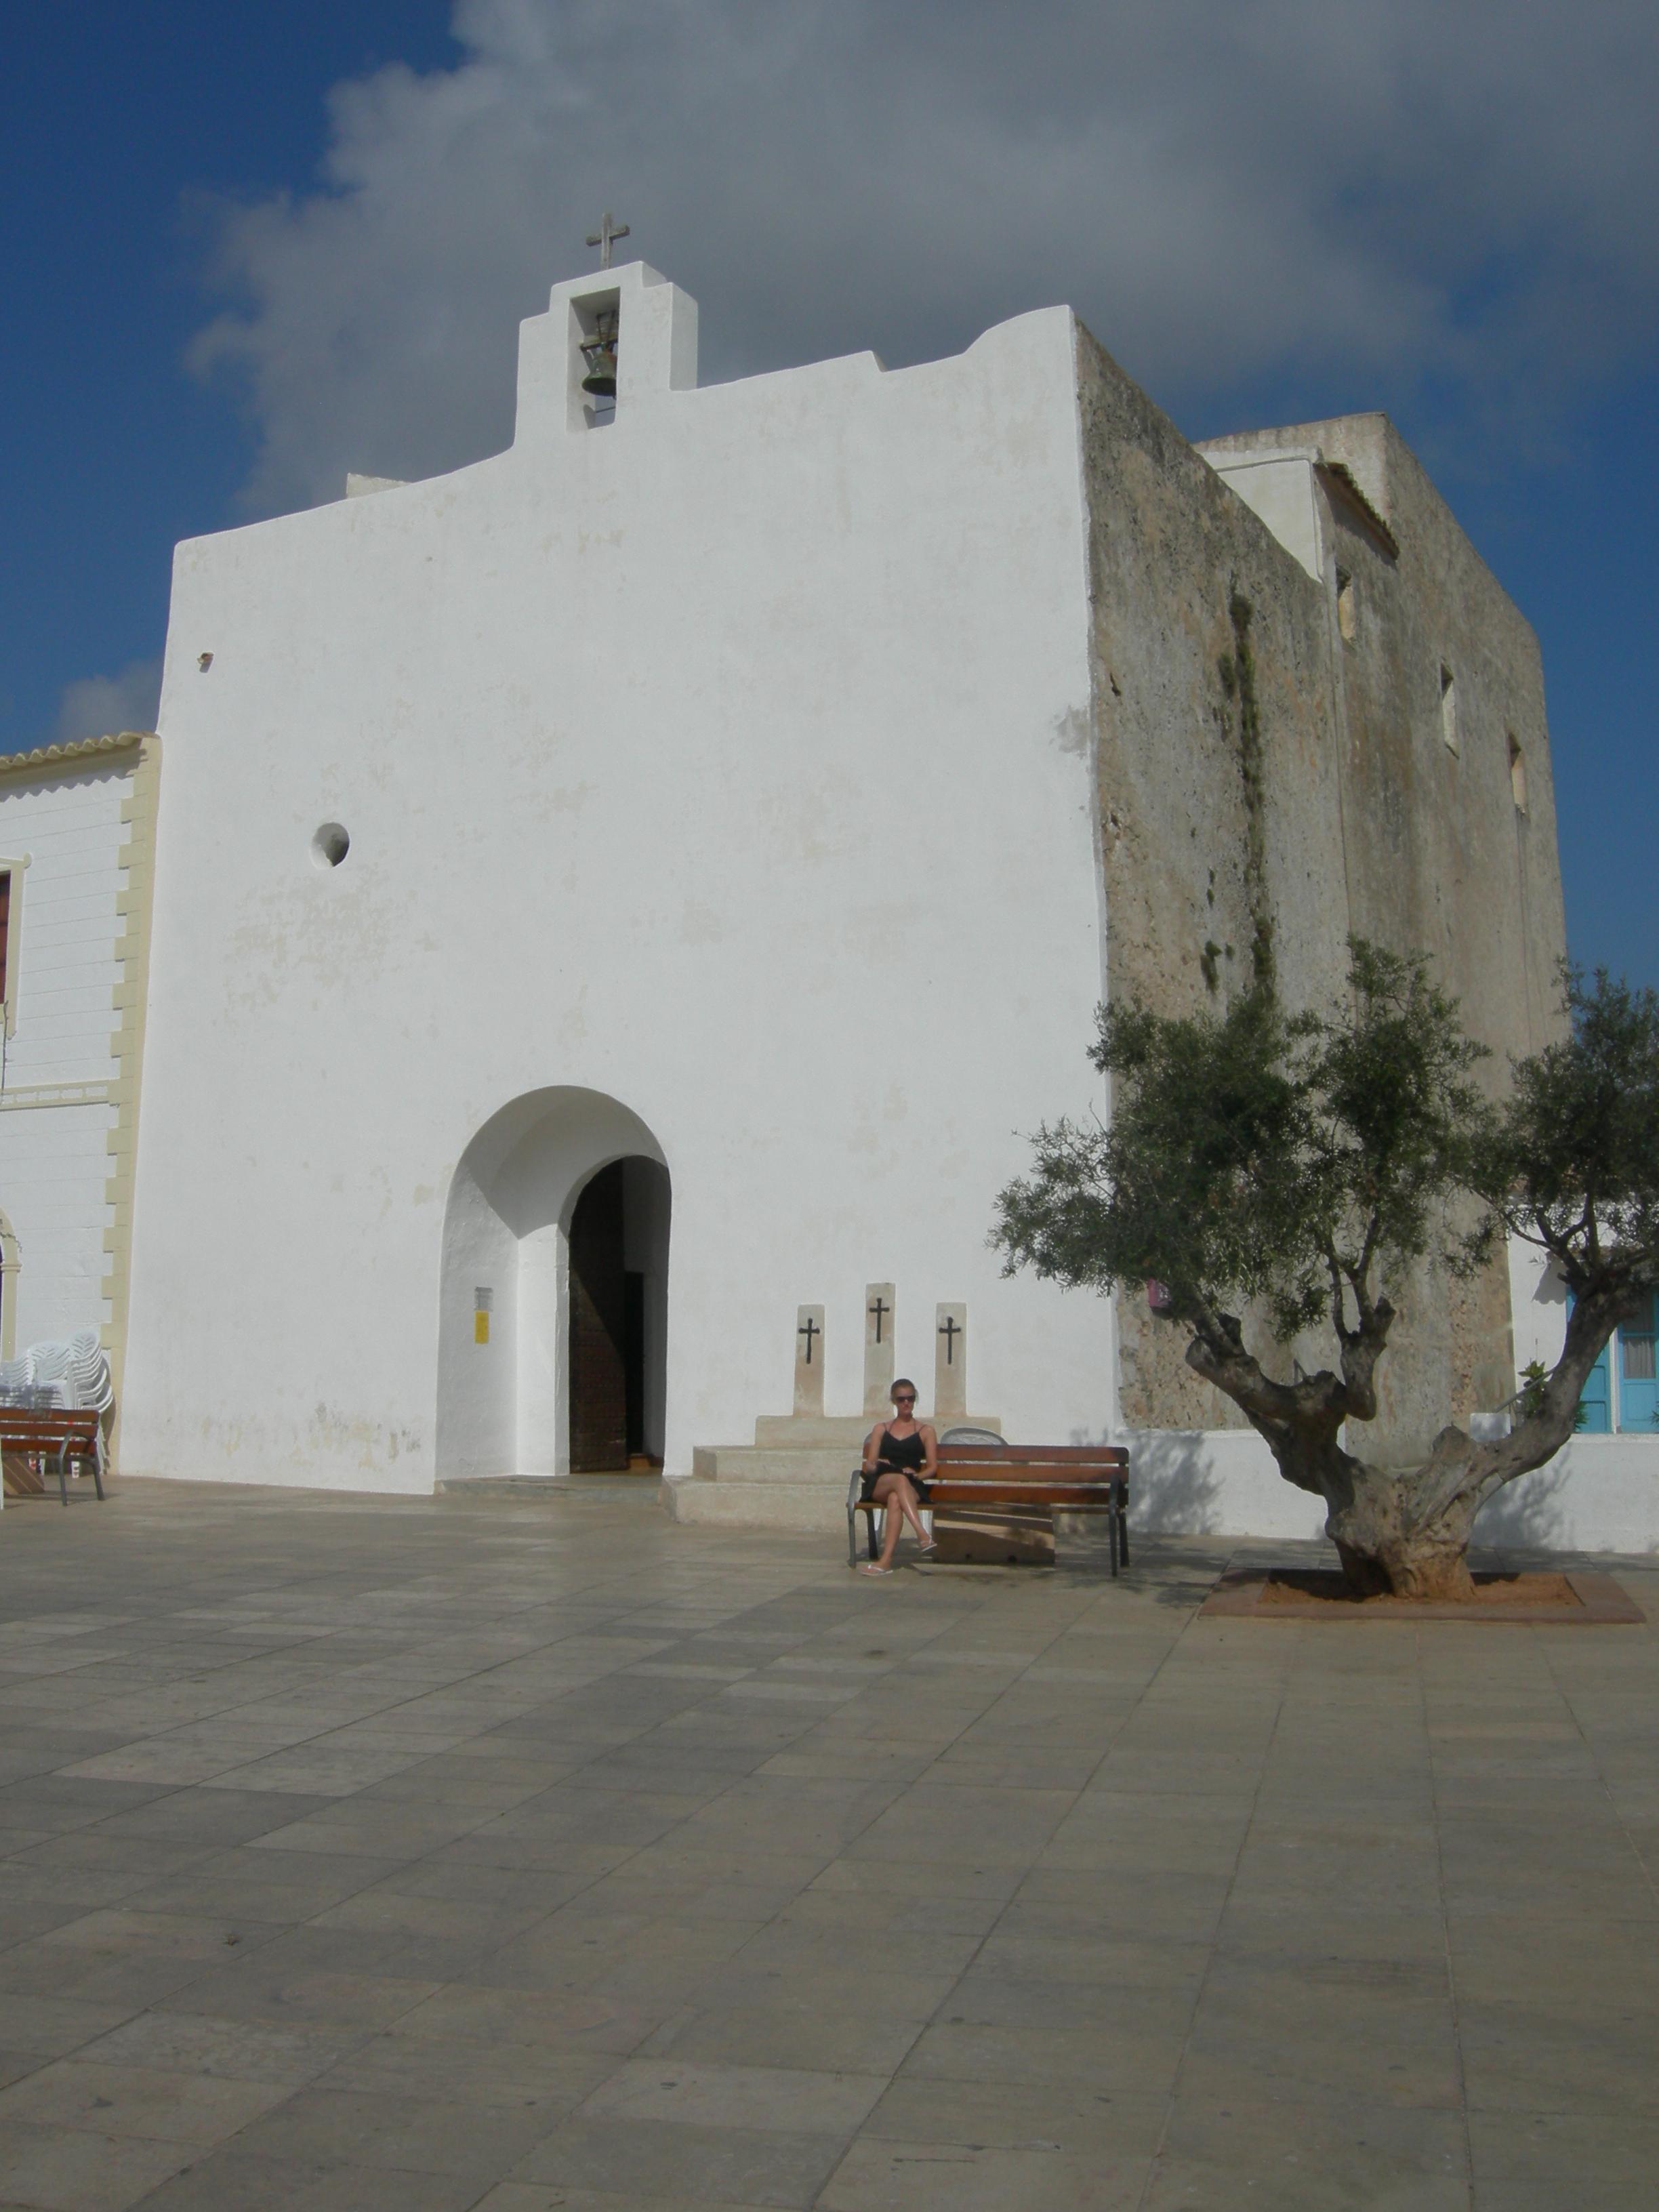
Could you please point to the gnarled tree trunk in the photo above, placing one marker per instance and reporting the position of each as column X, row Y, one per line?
column 1398, row 1532
column 1406, row 1533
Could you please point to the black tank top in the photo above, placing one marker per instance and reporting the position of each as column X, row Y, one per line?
column 908, row 1454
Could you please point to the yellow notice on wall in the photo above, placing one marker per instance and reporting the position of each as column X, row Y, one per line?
column 481, row 1327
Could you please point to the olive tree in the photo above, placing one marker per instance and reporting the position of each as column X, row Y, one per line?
column 1300, row 1165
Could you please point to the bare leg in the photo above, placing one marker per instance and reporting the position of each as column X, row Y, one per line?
column 893, row 1492
column 909, row 1504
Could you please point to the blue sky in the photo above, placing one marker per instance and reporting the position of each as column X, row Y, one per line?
column 249, row 246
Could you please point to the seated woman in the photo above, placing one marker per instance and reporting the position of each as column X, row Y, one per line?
column 900, row 1460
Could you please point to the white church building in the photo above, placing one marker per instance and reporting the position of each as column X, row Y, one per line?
column 621, row 906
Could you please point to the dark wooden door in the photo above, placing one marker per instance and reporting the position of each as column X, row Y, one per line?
column 598, row 1328
column 633, row 1360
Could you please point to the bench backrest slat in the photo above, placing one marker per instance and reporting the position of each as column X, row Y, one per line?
column 990, row 1494
column 1115, row 1457
column 18, row 1424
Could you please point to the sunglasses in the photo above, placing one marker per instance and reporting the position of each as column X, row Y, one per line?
column 904, row 1397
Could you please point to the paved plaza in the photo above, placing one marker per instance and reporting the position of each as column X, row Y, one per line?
column 393, row 1855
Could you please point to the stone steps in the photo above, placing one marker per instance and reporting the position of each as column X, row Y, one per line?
column 806, row 1508
column 752, row 1463
column 794, row 1475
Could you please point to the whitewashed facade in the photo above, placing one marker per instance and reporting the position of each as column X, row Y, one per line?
column 707, row 775
column 731, row 791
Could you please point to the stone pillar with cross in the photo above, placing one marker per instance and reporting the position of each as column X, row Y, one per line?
column 809, row 1361
column 950, row 1363
column 878, row 1347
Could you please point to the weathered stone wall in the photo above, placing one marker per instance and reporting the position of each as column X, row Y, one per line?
column 1274, row 773
column 1213, row 859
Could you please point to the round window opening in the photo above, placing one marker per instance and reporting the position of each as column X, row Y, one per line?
column 330, row 846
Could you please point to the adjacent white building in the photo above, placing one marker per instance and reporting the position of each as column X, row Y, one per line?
column 77, row 827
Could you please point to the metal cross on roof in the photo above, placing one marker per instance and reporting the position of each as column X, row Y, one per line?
column 605, row 236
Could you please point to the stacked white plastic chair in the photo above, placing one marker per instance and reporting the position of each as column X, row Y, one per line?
column 73, row 1372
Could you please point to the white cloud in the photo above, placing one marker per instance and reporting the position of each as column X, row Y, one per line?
column 1369, row 194
column 102, row 706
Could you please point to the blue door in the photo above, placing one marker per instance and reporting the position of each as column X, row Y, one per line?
column 1596, row 1406
column 1639, row 1387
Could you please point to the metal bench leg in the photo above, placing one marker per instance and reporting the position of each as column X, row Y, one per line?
column 852, row 1540
column 63, row 1473
column 98, row 1465
column 1121, row 1515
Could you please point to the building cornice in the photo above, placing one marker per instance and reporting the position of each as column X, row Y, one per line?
column 83, row 748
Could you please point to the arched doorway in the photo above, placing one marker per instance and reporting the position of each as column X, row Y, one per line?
column 553, row 1313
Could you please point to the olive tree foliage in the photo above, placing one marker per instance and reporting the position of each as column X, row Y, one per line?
column 1300, row 1165
column 1571, row 1165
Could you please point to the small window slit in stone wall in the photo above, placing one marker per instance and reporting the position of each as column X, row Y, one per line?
column 1449, row 709
column 1345, row 602
column 1517, row 774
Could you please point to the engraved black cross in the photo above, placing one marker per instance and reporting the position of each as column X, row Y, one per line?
column 879, row 1308
column 950, row 1329
column 809, row 1329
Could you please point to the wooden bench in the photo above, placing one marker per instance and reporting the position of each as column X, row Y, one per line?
column 44, row 1432
column 1003, row 1478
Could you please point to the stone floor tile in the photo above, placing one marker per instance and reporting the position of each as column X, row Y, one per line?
column 129, row 2100
column 899, row 1877
column 262, row 1885
column 256, row 1991
column 55, row 2026
column 1126, row 1960
column 1558, row 2197
column 1540, row 2058
column 770, row 2098
column 1284, row 1927
column 420, row 2134
column 1189, row 2185
column 544, row 2196
column 684, row 2164
column 884, row 2176
column 799, row 2037
column 911, row 1949
column 1173, row 1908
column 223, row 1817
column 986, row 1998
column 1140, row 2065
column 496, row 1781
column 1343, row 2138
column 1586, row 2153
column 124, row 1983
column 245, row 2051
column 514, row 2075
column 580, row 2021
column 1586, row 1966
column 62, row 2169
column 113, row 1932
column 232, row 2180
column 1079, row 2120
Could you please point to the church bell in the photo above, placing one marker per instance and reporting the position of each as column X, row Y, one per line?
column 599, row 352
